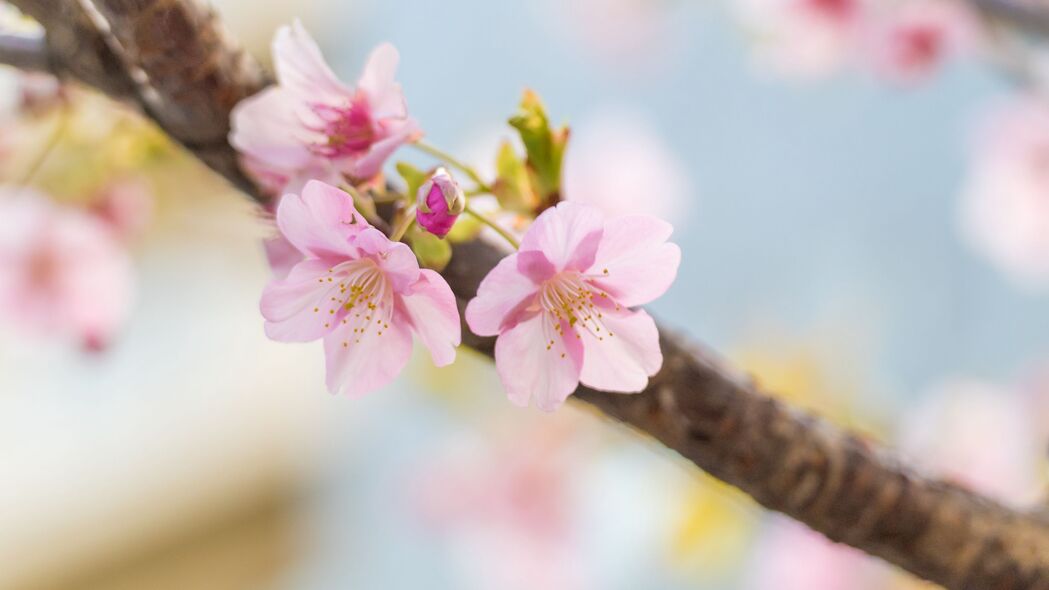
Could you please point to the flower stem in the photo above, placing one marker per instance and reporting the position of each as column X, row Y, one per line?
column 495, row 227
column 405, row 224
column 453, row 162
column 56, row 134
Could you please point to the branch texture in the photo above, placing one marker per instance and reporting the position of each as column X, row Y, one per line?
column 172, row 57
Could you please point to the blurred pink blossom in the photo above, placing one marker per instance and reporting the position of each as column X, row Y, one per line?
column 1005, row 203
column 62, row 271
column 310, row 122
column 979, row 435
column 125, row 205
column 508, row 503
column 914, row 39
column 803, row 38
column 358, row 291
column 617, row 161
column 790, row 556
column 637, row 34
column 560, row 306
column 40, row 93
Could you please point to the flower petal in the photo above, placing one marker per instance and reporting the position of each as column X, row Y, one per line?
column 370, row 164
column 567, row 234
column 266, row 127
column 357, row 364
column 430, row 306
column 396, row 259
column 378, row 81
column 321, row 221
column 281, row 255
column 301, row 67
column 622, row 357
column 298, row 309
column 528, row 368
column 534, row 265
column 641, row 264
column 499, row 297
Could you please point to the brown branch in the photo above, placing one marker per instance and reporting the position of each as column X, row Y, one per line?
column 1031, row 17
column 832, row 480
column 25, row 52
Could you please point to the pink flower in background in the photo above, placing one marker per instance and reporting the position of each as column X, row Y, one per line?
column 310, row 121
column 789, row 556
column 440, row 202
column 1005, row 204
column 62, row 271
column 125, row 205
column 980, row 435
column 916, row 38
column 617, row 162
column 561, row 305
column 361, row 293
column 507, row 503
column 803, row 38
column 634, row 36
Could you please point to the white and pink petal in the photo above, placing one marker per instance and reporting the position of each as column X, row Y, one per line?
column 623, row 355
column 502, row 295
column 529, row 366
column 430, row 307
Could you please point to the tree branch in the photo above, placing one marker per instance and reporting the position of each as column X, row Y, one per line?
column 834, row 481
column 26, row 52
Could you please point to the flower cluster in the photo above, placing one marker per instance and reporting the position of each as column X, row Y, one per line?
column 563, row 305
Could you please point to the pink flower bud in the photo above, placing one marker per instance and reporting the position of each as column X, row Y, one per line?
column 439, row 202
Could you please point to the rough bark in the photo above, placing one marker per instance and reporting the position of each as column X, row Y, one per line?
column 834, row 481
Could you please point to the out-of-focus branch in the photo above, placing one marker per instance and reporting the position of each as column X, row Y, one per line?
column 830, row 479
column 26, row 52
column 1029, row 16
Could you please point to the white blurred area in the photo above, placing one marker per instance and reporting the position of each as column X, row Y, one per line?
column 191, row 422
column 176, row 457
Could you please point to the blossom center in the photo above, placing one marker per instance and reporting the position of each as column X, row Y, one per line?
column 360, row 299
column 571, row 301
column 348, row 129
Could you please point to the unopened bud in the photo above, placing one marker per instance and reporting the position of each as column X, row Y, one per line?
column 439, row 203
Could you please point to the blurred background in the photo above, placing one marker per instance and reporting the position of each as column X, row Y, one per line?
column 862, row 200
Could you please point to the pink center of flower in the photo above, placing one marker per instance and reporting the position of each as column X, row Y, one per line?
column 920, row 45
column 570, row 298
column 349, row 129
column 361, row 299
column 838, row 11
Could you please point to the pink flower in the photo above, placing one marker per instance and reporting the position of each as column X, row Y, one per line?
column 804, row 38
column 1005, row 205
column 125, row 205
column 950, row 431
column 618, row 162
column 789, row 556
column 360, row 292
column 561, row 305
column 311, row 122
column 440, row 202
column 917, row 37
column 507, row 500
column 62, row 271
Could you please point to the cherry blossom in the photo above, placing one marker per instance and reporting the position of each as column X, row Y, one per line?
column 803, row 38
column 789, row 556
column 1005, row 204
column 439, row 203
column 615, row 156
column 358, row 291
column 311, row 123
column 950, row 431
column 915, row 38
column 62, row 271
column 561, row 305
